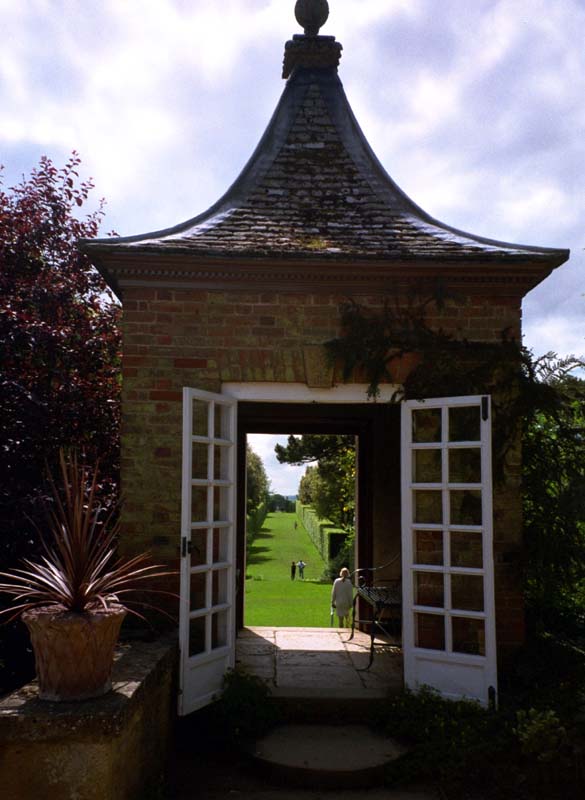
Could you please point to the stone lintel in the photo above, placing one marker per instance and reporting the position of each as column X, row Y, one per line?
column 319, row 371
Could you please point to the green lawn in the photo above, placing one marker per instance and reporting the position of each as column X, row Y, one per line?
column 271, row 597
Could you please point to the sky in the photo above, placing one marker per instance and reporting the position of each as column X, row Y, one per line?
column 284, row 478
column 475, row 107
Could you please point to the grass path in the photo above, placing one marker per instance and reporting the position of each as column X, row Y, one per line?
column 271, row 597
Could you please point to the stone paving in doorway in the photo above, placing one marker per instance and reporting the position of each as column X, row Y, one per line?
column 319, row 662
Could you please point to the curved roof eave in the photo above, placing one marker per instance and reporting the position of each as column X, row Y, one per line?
column 361, row 153
column 262, row 157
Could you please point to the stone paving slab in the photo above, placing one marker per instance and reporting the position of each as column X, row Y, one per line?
column 340, row 748
column 313, row 662
column 259, row 667
column 335, row 677
column 259, row 632
column 311, row 658
column 251, row 647
column 200, row 771
column 301, row 640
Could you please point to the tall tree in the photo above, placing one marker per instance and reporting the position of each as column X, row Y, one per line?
column 257, row 483
column 329, row 487
column 59, row 361
column 554, row 501
column 59, row 342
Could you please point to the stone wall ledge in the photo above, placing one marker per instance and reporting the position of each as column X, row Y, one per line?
column 113, row 747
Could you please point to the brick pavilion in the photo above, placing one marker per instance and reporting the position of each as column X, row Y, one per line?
column 224, row 321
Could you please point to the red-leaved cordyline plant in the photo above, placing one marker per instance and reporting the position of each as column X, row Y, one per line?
column 78, row 570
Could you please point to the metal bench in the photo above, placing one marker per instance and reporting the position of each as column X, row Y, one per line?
column 385, row 598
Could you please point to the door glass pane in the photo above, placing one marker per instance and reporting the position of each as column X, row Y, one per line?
column 220, row 545
column 426, row 466
column 429, row 631
column 464, row 424
column 197, row 596
column 428, row 589
column 465, row 507
column 198, row 548
column 221, row 422
column 426, row 425
column 465, row 465
column 196, row 636
column 466, row 549
column 428, row 507
column 221, row 463
column 467, row 592
column 200, row 418
column 468, row 636
column 198, row 504
column 221, row 497
column 428, row 547
column 199, row 462
column 219, row 587
column 219, row 630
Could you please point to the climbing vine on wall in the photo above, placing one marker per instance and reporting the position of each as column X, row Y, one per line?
column 536, row 401
column 375, row 343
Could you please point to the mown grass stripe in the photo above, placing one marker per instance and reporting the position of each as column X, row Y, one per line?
column 271, row 597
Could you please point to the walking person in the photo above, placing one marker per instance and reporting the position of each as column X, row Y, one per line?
column 342, row 597
column 301, row 565
column 293, row 570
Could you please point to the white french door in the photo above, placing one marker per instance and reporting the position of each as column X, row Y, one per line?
column 208, row 546
column 447, row 554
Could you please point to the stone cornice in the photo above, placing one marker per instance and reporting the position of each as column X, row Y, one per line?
column 478, row 276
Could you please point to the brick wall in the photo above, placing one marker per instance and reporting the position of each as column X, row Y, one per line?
column 177, row 338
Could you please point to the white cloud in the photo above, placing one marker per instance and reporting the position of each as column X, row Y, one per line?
column 567, row 334
column 476, row 109
column 284, row 478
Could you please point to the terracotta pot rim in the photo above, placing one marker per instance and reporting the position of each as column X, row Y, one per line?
column 63, row 613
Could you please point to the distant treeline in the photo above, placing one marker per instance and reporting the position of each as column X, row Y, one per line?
column 278, row 502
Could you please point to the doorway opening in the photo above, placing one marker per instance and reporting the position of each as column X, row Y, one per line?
column 301, row 531
column 376, row 431
column 424, row 489
column 315, row 657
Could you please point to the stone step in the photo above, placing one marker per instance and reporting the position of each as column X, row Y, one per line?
column 315, row 709
column 325, row 756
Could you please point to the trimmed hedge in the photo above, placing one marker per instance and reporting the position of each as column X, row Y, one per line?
column 327, row 538
column 255, row 521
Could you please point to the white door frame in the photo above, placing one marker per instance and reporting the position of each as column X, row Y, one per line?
column 451, row 670
column 208, row 547
column 453, row 674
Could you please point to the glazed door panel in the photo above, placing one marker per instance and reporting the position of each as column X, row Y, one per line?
column 447, row 552
column 207, row 614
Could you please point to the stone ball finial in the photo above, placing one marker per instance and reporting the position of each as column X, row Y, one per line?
column 312, row 15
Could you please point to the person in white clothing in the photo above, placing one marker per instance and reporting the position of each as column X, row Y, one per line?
column 342, row 597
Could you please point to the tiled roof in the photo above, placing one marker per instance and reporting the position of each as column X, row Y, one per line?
column 314, row 188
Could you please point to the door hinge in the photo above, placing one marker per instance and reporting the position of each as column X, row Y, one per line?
column 485, row 409
column 492, row 698
column 186, row 546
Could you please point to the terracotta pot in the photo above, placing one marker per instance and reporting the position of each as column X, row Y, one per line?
column 74, row 652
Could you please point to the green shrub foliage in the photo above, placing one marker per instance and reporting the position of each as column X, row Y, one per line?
column 59, row 351
column 536, row 401
column 329, row 540
column 245, row 709
column 257, row 486
column 471, row 752
column 330, row 486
